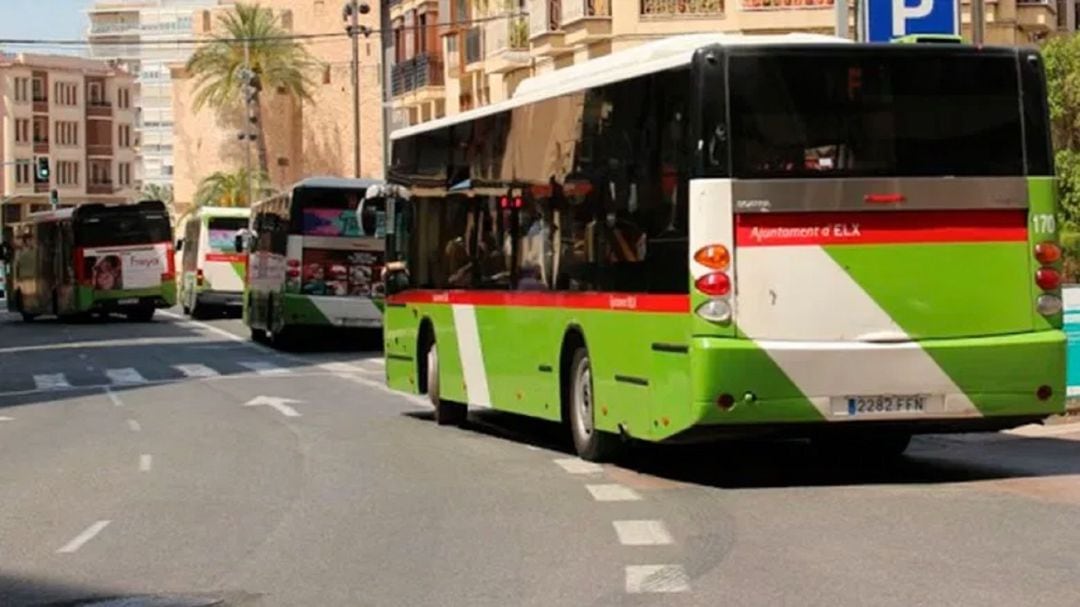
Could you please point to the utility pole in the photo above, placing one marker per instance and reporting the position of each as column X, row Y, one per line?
column 351, row 15
column 978, row 21
column 247, row 121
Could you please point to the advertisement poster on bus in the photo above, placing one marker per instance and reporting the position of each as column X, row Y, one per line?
column 335, row 272
column 124, row 269
column 331, row 222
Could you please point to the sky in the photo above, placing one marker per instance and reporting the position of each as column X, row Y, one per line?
column 43, row 19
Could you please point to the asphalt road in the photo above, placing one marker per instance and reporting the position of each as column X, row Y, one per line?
column 175, row 463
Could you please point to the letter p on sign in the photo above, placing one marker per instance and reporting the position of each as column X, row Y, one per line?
column 901, row 12
column 888, row 19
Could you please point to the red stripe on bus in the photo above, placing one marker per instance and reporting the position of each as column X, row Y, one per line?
column 532, row 299
column 880, row 227
column 230, row 257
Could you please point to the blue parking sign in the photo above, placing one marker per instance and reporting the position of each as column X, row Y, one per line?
column 888, row 19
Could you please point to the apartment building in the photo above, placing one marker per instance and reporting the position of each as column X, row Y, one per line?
column 452, row 55
column 304, row 137
column 133, row 32
column 76, row 114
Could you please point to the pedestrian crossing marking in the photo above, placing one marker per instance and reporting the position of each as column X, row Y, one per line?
column 262, row 367
column 196, row 370
column 51, row 381
column 125, row 377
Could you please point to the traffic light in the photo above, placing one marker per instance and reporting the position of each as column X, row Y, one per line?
column 43, row 169
column 54, row 198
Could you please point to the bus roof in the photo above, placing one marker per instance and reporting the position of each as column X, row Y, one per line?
column 342, row 183
column 646, row 58
column 221, row 212
column 57, row 215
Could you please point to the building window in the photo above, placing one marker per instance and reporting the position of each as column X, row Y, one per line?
column 22, row 130
column 39, row 89
column 67, row 133
column 67, row 173
column 23, row 172
column 22, row 90
column 99, row 174
column 123, row 136
column 67, row 93
column 123, row 98
column 125, row 173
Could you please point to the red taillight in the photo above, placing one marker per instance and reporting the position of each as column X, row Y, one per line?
column 725, row 401
column 715, row 284
column 199, row 277
column 1047, row 253
column 292, row 273
column 293, row 263
column 883, row 198
column 714, row 257
column 1048, row 279
column 1044, row 392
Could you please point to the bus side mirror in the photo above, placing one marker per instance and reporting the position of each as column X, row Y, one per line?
column 395, row 277
column 180, row 245
column 5, row 251
column 239, row 243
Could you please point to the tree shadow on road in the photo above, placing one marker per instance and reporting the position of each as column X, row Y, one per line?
column 795, row 463
column 40, row 591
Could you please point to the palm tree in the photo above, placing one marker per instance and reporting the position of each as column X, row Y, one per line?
column 228, row 189
column 157, row 191
column 277, row 61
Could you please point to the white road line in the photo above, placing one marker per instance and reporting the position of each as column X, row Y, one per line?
column 656, row 578
column 613, row 492
column 52, row 381
column 378, row 362
column 202, row 325
column 125, row 377
column 145, row 462
column 263, row 367
column 574, row 465
column 642, row 533
column 4, row 418
column 140, row 341
column 114, row 398
column 1039, row 430
column 196, row 370
column 341, row 367
column 418, row 402
column 134, row 425
column 83, row 537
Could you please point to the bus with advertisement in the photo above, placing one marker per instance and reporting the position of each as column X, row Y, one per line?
column 315, row 256
column 212, row 270
column 715, row 235
column 92, row 259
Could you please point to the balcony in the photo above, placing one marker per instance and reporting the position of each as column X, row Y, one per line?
column 474, row 47
column 114, row 29
column 99, row 149
column 101, row 188
column 545, row 28
column 507, row 42
column 667, row 9
column 41, row 187
column 41, row 146
column 414, row 74
column 1037, row 15
column 99, row 109
column 41, row 105
column 586, row 21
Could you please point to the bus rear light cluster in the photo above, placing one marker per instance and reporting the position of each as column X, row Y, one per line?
column 199, row 278
column 715, row 284
column 1048, row 278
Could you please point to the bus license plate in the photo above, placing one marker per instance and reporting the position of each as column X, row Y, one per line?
column 857, row 406
column 129, row 302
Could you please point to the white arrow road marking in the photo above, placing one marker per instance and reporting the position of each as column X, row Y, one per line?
column 83, row 537
column 277, row 403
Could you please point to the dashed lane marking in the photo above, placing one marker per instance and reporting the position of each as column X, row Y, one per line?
column 612, row 492
column 574, row 465
column 125, row 377
column 81, row 539
column 51, row 381
column 134, row 425
column 196, row 370
column 146, row 461
column 263, row 367
column 642, row 533
column 656, row 578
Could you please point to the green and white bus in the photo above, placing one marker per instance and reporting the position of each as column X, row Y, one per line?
column 715, row 235
column 212, row 270
column 315, row 255
column 93, row 258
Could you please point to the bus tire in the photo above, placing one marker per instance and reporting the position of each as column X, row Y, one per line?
column 447, row 413
column 590, row 443
column 26, row 316
column 258, row 335
column 871, row 446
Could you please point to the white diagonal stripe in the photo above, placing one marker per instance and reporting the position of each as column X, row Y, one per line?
column 87, row 535
column 642, row 533
column 126, row 376
column 472, row 355
column 263, row 367
column 574, row 465
column 612, row 493
column 196, row 370
column 51, row 381
column 656, row 578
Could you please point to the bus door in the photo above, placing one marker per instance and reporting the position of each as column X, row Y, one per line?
column 221, row 266
column 65, row 267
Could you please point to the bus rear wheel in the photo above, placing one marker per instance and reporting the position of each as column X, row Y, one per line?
column 590, row 443
column 447, row 413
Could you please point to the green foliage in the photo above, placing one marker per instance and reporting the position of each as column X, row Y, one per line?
column 1062, row 59
column 156, row 191
column 225, row 189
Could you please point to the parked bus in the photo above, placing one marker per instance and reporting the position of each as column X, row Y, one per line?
column 718, row 235
column 93, row 258
column 212, row 270
column 313, row 261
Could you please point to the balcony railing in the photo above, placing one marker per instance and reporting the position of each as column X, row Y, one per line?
column 576, row 10
column 681, row 8
column 41, row 146
column 99, row 108
column 99, row 149
column 100, row 187
column 545, row 17
column 41, row 187
column 41, row 104
column 474, row 45
column 506, row 35
column 418, row 72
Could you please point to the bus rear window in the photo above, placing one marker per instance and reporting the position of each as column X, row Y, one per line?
column 221, row 233
column 330, row 222
column 886, row 113
column 122, row 227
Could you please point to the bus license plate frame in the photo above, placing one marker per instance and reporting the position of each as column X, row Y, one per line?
column 881, row 405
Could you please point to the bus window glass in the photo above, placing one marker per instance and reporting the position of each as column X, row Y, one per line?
column 221, row 233
column 888, row 113
column 121, row 227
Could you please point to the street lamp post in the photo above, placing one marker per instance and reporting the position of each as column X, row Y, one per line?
column 351, row 15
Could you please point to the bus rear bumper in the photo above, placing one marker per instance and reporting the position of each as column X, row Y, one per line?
column 934, row 384
column 220, row 298
column 332, row 311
